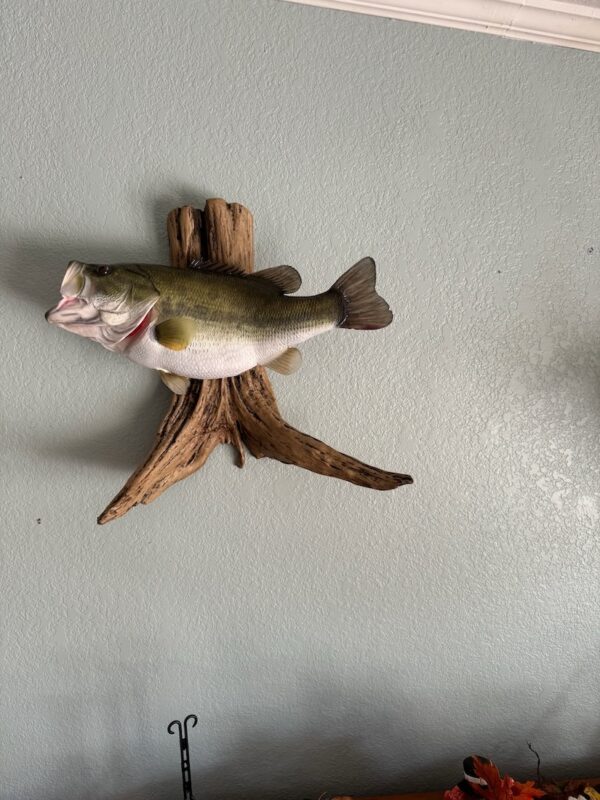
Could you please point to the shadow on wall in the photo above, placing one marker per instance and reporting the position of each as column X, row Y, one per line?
column 328, row 741
column 259, row 766
column 335, row 743
column 263, row 768
column 272, row 770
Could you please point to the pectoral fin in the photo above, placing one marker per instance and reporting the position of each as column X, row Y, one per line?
column 176, row 383
column 176, row 333
column 287, row 362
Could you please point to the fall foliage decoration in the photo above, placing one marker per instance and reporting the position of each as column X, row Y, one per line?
column 495, row 787
column 482, row 780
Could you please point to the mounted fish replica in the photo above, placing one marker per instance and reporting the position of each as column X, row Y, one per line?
column 211, row 321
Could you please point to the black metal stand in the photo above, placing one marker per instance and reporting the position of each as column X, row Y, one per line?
column 186, row 774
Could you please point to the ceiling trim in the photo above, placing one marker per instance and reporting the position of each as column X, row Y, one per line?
column 559, row 22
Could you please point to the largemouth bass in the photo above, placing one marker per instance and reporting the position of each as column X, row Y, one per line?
column 211, row 321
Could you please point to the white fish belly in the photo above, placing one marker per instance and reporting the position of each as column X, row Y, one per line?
column 215, row 359
column 211, row 360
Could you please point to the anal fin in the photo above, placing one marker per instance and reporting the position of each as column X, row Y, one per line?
column 176, row 383
column 287, row 362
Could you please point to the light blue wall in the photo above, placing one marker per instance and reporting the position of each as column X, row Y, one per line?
column 331, row 639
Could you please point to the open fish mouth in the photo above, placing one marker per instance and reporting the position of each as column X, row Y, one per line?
column 80, row 311
column 73, row 308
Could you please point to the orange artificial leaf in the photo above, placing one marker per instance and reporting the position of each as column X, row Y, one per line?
column 526, row 790
column 495, row 789
column 502, row 788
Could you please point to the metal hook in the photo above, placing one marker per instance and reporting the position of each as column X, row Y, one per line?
column 185, row 722
column 186, row 774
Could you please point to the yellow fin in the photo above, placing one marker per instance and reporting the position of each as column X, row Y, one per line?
column 176, row 383
column 176, row 333
column 287, row 362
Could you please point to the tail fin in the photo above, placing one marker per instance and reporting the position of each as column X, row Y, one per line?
column 362, row 308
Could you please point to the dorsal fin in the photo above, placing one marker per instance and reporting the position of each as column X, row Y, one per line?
column 285, row 279
column 203, row 265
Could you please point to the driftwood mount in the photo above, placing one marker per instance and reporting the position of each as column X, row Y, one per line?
column 239, row 411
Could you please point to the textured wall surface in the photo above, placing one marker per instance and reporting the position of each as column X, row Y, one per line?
column 330, row 638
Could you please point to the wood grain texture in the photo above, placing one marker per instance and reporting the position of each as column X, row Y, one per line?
column 238, row 411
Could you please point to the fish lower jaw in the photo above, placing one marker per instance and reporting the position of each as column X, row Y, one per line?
column 70, row 309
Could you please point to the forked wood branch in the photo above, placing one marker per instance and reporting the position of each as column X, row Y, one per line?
column 239, row 411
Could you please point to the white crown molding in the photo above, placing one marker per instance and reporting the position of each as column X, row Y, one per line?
column 559, row 22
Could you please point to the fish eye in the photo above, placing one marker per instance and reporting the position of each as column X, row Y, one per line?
column 103, row 270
